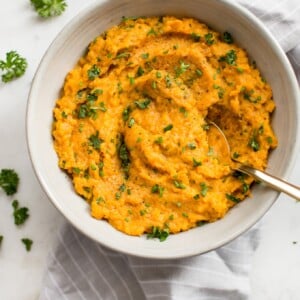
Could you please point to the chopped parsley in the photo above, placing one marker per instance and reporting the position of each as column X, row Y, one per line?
column 131, row 122
column 227, row 37
column 201, row 223
column 126, row 113
column 199, row 72
column 168, row 81
column 230, row 57
column 179, row 184
column 159, row 140
column 9, row 181
column 204, row 189
column 100, row 168
column 209, row 38
column 95, row 141
column 143, row 104
column 20, row 213
column 93, row 72
column 158, row 74
column 233, row 198
column 183, row 67
column 140, row 71
column 158, row 233
column 151, row 32
column 28, row 243
column 192, row 146
column 124, row 157
column 168, row 127
column 253, row 141
column 14, row 66
column 123, row 55
column 145, row 55
column 157, row 189
column 196, row 163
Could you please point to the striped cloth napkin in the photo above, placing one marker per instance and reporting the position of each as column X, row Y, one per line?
column 79, row 268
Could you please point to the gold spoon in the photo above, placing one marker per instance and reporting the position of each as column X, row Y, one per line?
column 223, row 149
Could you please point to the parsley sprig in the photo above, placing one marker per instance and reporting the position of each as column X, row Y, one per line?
column 49, row 8
column 9, row 181
column 14, row 66
column 20, row 213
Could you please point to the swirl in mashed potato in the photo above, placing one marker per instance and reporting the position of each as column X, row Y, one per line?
column 131, row 125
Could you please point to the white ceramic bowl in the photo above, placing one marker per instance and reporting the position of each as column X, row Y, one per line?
column 71, row 43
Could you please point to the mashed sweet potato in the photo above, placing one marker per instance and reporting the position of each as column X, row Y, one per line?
column 131, row 128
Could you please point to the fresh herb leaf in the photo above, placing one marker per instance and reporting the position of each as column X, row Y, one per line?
column 233, row 198
column 159, row 140
column 100, row 167
column 28, row 243
column 143, row 104
column 196, row 163
column 230, row 57
column 183, row 67
column 168, row 81
column 124, row 156
column 227, row 37
column 49, row 8
column 158, row 233
column 9, row 181
column 204, row 189
column 152, row 32
column 201, row 223
column 199, row 72
column 192, row 146
column 123, row 55
column 168, row 127
column 126, row 113
column 145, row 55
column 93, row 72
column 140, row 71
column 133, row 18
column 131, row 122
column 1, row 239
column 14, row 66
column 236, row 155
column 20, row 214
column 253, row 143
column 179, row 184
column 157, row 189
column 95, row 141
column 209, row 38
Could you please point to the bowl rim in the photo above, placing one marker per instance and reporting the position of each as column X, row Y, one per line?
column 79, row 17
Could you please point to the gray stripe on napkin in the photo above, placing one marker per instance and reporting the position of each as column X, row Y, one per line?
column 79, row 268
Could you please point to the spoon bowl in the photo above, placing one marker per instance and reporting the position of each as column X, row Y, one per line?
column 222, row 149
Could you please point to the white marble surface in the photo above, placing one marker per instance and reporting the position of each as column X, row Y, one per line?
column 276, row 265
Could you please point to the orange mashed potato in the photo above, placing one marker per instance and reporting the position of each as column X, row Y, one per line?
column 131, row 126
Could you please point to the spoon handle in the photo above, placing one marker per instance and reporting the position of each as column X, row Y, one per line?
column 276, row 183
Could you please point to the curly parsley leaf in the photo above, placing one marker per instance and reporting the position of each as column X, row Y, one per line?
column 158, row 233
column 49, row 8
column 9, row 181
column 230, row 57
column 20, row 213
column 227, row 37
column 14, row 66
column 28, row 243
